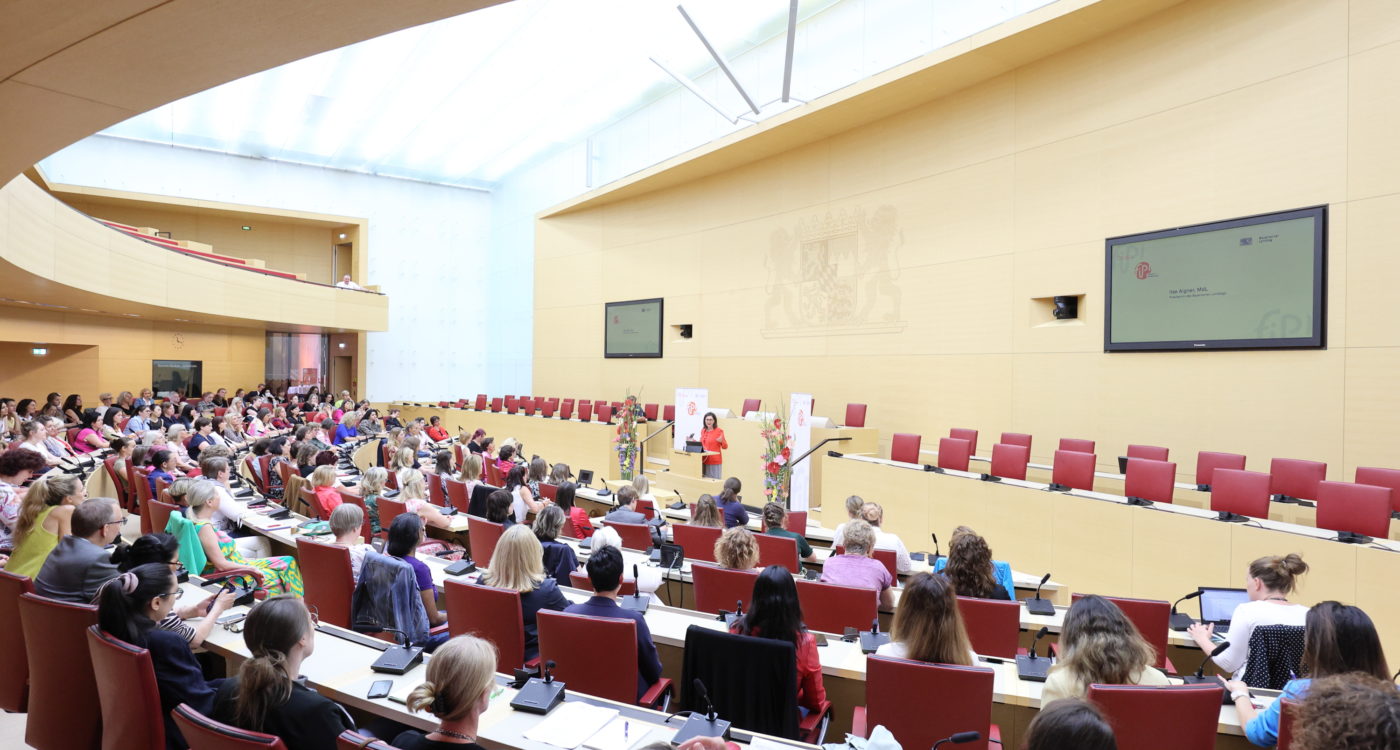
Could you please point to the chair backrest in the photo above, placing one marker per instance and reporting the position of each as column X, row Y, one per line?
column 262, row 475
column 777, row 550
column 127, row 692
column 668, row 413
column 896, row 696
column 1074, row 469
column 1076, row 444
column 442, row 404
column 855, row 415
column 1160, row 717
column 993, row 626
column 831, row 608
column 1382, row 478
column 493, row 474
column 329, row 582
column 496, row 404
column 888, row 558
column 490, row 613
column 581, row 581
column 480, row 404
column 160, row 514
column 752, row 681
column 585, row 411
column 512, row 406
column 457, row 495
column 1150, row 617
column 482, row 535
column 634, row 535
column 651, row 411
column 751, row 404
column 719, row 588
column 1360, row 508
column 60, row 674
column 436, row 494
column 308, row 495
column 203, row 733
column 953, row 453
column 1016, row 438
column 1150, row 479
column 605, row 413
column 549, row 491
column 366, row 528
column 351, row 739
column 389, row 509
column 647, row 508
column 1147, row 451
column 1009, row 460
column 119, row 482
column 697, row 541
column 1239, row 491
column 14, row 663
column 1208, row 461
column 797, row 521
column 566, row 409
column 550, row 406
column 904, row 446
column 964, row 433
column 609, row 673
column 1296, row 477
column 1288, row 713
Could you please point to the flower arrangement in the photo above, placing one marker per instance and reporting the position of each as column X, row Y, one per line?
column 777, row 455
column 626, row 441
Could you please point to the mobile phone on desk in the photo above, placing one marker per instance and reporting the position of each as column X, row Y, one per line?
column 380, row 689
column 231, row 619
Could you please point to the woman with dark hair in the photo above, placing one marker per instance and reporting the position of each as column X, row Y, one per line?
column 72, row 410
column 1099, row 645
column 89, row 438
column 775, row 612
column 24, row 410
column 266, row 694
column 559, row 558
column 164, row 549
column 1070, row 723
column 522, row 500
column 712, row 440
column 167, row 415
column 187, row 416
column 109, row 428
column 405, row 534
column 128, row 607
column 564, row 498
column 17, row 465
column 928, row 626
column 730, row 506
column 505, row 458
column 162, row 463
column 1337, row 639
column 498, row 508
column 970, row 567
column 53, row 406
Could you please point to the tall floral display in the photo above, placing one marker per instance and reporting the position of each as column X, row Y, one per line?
column 777, row 458
column 626, row 441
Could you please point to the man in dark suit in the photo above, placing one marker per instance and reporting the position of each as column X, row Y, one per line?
column 626, row 512
column 80, row 564
column 605, row 572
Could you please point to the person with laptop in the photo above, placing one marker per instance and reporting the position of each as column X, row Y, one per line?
column 1268, row 584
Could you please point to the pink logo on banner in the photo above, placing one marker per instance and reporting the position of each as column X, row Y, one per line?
column 801, row 418
column 1144, row 269
column 690, row 408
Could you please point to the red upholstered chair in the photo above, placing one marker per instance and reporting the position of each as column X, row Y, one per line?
column 496, row 405
column 953, row 453
column 493, row 474
column 1182, row 717
column 1208, row 461
column 160, row 514
column 457, row 456
column 461, row 404
column 896, row 697
column 719, row 588
column 14, row 663
column 1147, row 451
column 127, row 692
column 634, row 535
column 549, row 491
column 668, row 413
column 1016, row 438
column 585, row 412
column 651, row 411
column 436, row 494
column 203, row 733
column 777, row 550
column 963, row 433
column 442, row 404
column 697, row 541
column 329, row 581
column 1358, row 508
column 480, row 404
column 1009, row 460
column 751, row 404
column 889, row 559
column 366, row 528
column 1150, row 480
column 353, row 740
column 490, row 613
column 993, row 626
column 1074, row 469
column 904, row 447
column 457, row 495
column 1288, row 713
column 308, row 496
column 64, row 711
column 1382, row 478
column 1076, row 444
column 219, row 411
column 1151, row 618
column 483, row 535
column 389, row 509
column 831, row 608
column 797, row 521
column 1296, row 477
column 163, row 491
column 647, row 508
column 605, row 413
column 855, row 415
column 566, row 409
column 550, row 406
column 603, row 672
column 512, row 406
column 124, row 491
column 581, row 581
column 1240, row 491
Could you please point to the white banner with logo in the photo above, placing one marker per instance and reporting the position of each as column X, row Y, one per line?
column 691, row 405
column 800, row 428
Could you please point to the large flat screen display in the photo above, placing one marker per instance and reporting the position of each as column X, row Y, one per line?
column 633, row 329
column 1252, row 283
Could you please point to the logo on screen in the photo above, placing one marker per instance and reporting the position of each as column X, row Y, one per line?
column 616, row 320
column 1144, row 269
column 1244, row 241
column 690, row 408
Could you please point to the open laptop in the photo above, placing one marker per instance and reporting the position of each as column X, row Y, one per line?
column 694, row 446
column 1218, row 606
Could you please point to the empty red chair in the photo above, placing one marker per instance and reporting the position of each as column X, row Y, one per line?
column 970, row 436
column 566, row 409
column 1296, row 478
column 1208, row 461
column 1147, row 451
column 496, row 404
column 720, row 588
column 1240, row 491
column 203, row 733
column 581, row 581
column 461, row 404
column 585, row 412
column 634, row 535
column 436, row 494
column 483, row 535
column 953, row 453
column 904, row 446
column 777, row 550
column 1382, row 478
column 697, row 541
column 60, row 674
column 549, row 408
column 490, row 613
column 1075, row 444
column 1150, row 480
column 605, row 413
column 480, row 404
column 1016, row 438
column 366, row 528
column 457, row 495
column 751, row 404
column 329, row 580
column 651, row 411
column 855, row 415
column 993, row 626
column 896, row 697
column 160, row 514
column 1009, row 460
column 550, row 491
column 442, row 404
column 831, row 608
column 797, row 521
column 14, row 663
column 127, row 692
column 1074, row 469
column 1358, row 508
column 1160, row 717
column 512, row 406
column 668, row 413
column 609, row 673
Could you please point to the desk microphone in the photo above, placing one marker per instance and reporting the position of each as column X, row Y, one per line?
column 400, row 658
column 706, row 724
column 1038, row 606
column 936, row 552
column 958, row 739
column 1200, row 675
column 1180, row 620
column 636, row 602
column 1032, row 666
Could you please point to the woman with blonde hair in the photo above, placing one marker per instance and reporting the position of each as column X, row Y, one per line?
column 857, row 565
column 518, row 565
column 706, row 513
column 413, row 493
column 45, row 516
column 404, row 461
column 325, row 486
column 461, row 676
column 280, row 575
column 928, row 626
column 470, row 475
column 853, row 505
column 175, row 443
column 371, row 488
column 736, row 549
column 642, row 485
column 1099, row 645
column 970, row 568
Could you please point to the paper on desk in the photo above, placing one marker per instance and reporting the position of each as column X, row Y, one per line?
column 623, row 733
column 570, row 724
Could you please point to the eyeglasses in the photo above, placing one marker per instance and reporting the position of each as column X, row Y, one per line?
column 121, row 522
column 177, row 593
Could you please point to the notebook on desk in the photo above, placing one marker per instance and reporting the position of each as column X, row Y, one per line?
column 1218, row 606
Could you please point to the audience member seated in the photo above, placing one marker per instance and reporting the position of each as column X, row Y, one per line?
column 1339, row 639
column 326, row 486
column 214, row 467
column 1070, row 723
column 461, row 676
column 642, row 485
column 347, row 521
column 522, row 500
column 162, row 463
column 928, row 625
column 16, row 467
column 537, row 474
column 498, row 508
column 413, row 493
column 1269, row 582
column 89, row 437
column 1099, row 645
column 128, row 607
column 564, row 498
column 775, row 612
column 306, row 458
column 405, row 534
column 736, row 549
column 73, row 410
column 80, row 564
column 518, row 565
column 560, row 474
column 775, row 524
column 442, row 468
column 651, row 575
column 559, row 558
column 165, row 550
column 281, row 575
column 626, row 512
column 435, row 430
column 706, row 513
column 470, row 475
column 54, row 441
column 203, row 436
column 33, row 435
column 267, row 695
column 348, row 430
column 140, row 422
column 857, row 567
column 44, row 518
column 488, row 450
column 372, row 487
column 970, row 567
column 108, row 427
column 174, row 442
column 735, row 514
column 1349, row 712
column 873, row 514
column 402, row 462
column 605, row 573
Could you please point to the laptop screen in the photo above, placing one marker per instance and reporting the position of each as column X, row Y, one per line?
column 1218, row 605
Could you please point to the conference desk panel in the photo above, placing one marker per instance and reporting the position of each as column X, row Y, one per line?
column 1018, row 517
column 1377, row 572
column 902, row 492
column 1092, row 543
column 1172, row 554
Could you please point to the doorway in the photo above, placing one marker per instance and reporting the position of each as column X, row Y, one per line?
column 341, row 374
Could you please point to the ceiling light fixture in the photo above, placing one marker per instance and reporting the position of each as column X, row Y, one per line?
column 787, row 58
column 689, row 84
column 719, row 59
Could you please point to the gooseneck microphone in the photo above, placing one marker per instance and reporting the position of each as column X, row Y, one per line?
column 707, row 724
column 958, row 739
column 1181, row 621
column 936, row 552
column 549, row 671
column 1036, row 641
column 1200, row 675
column 1037, row 605
column 702, row 696
column 637, row 581
column 1032, row 666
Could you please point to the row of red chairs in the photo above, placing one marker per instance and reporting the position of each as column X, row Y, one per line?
column 604, row 409
column 169, row 244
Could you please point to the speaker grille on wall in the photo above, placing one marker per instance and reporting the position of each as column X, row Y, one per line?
column 1066, row 307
